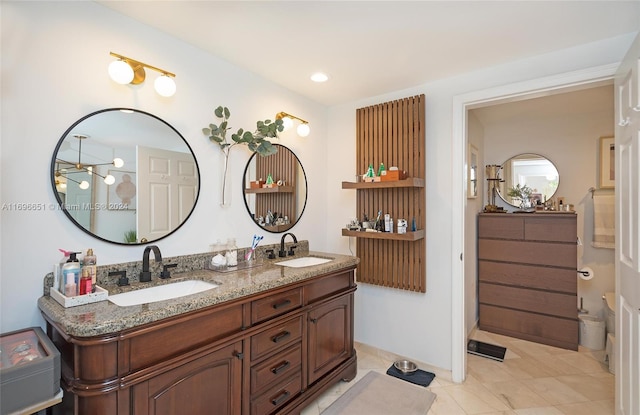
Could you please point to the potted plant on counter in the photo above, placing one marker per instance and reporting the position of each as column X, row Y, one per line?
column 521, row 193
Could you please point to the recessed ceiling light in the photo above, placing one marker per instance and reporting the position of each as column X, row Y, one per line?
column 319, row 77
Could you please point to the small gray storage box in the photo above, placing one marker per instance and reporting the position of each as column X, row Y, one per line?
column 29, row 369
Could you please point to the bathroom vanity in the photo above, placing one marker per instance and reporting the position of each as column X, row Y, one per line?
column 267, row 340
column 527, row 281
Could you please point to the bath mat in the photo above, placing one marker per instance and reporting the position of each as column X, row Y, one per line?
column 377, row 394
column 419, row 377
column 490, row 351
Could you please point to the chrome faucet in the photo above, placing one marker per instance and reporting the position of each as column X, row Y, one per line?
column 282, row 252
column 145, row 275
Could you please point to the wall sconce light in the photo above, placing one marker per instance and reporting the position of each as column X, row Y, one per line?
column 63, row 173
column 303, row 129
column 130, row 71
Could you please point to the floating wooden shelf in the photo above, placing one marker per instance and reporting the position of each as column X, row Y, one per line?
column 392, row 133
column 410, row 182
column 274, row 189
column 409, row 236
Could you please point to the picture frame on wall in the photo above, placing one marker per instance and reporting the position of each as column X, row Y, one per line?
column 472, row 172
column 122, row 194
column 607, row 163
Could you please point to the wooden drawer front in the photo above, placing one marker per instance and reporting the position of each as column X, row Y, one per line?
column 554, row 331
column 276, row 397
column 276, row 368
column 542, row 278
column 556, row 229
column 276, row 337
column 326, row 286
column 555, row 304
column 181, row 335
column 534, row 253
column 275, row 305
column 501, row 226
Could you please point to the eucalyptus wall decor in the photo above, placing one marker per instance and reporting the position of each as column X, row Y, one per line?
column 257, row 141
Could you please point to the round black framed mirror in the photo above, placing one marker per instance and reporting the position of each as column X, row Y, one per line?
column 275, row 190
column 536, row 172
column 125, row 176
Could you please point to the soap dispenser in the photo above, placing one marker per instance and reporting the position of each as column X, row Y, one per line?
column 71, row 275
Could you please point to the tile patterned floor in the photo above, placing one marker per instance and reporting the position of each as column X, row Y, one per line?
column 534, row 379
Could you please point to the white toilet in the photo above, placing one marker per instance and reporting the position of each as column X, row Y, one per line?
column 610, row 317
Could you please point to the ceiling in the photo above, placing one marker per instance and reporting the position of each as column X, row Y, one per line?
column 582, row 101
column 374, row 47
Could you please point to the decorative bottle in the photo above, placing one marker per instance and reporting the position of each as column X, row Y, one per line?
column 232, row 253
column 71, row 275
column 90, row 264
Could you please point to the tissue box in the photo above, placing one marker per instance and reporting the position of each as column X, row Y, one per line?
column 29, row 369
column 256, row 184
column 393, row 175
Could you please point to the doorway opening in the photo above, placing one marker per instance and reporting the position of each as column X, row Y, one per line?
column 462, row 105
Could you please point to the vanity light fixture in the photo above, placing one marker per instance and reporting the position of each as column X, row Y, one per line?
column 130, row 71
column 81, row 168
column 303, row 129
column 61, row 182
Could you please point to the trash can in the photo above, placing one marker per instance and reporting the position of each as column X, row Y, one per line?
column 592, row 332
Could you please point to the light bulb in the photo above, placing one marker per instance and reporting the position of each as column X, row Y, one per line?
column 319, row 77
column 84, row 185
column 303, row 130
column 121, row 72
column 90, row 170
column 165, row 86
column 118, row 162
column 287, row 123
column 109, row 180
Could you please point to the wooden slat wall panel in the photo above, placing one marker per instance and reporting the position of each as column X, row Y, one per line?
column 282, row 166
column 392, row 133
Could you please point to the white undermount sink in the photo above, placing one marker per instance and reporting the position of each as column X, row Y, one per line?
column 306, row 261
column 161, row 292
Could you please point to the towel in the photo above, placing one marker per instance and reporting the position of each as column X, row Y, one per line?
column 604, row 221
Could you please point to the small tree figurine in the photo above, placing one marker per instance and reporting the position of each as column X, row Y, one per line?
column 522, row 193
column 257, row 141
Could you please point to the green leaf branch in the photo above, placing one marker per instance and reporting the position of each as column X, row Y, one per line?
column 257, row 141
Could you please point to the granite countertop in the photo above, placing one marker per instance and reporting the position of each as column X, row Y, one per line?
column 103, row 318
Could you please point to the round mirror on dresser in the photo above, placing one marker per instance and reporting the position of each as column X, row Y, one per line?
column 125, row 176
column 533, row 170
column 275, row 190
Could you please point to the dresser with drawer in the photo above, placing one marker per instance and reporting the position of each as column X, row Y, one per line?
column 527, row 280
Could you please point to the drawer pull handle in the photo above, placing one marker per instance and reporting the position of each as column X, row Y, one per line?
column 239, row 355
column 278, row 400
column 280, row 368
column 314, row 320
column 280, row 336
column 281, row 304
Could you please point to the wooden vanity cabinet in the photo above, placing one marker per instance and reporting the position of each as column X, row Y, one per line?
column 267, row 353
column 330, row 336
column 527, row 281
column 211, row 384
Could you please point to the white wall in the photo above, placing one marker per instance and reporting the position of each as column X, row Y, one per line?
column 475, row 136
column 54, row 60
column 54, row 71
column 420, row 325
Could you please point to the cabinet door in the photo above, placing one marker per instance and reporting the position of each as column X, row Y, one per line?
column 211, row 384
column 330, row 336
